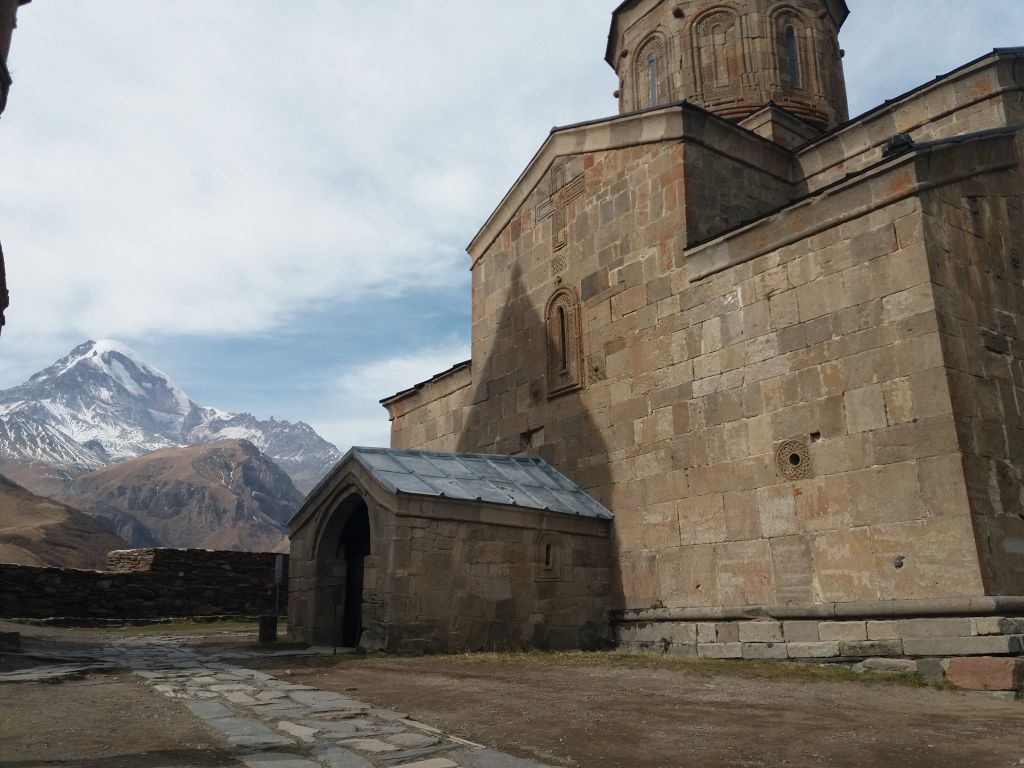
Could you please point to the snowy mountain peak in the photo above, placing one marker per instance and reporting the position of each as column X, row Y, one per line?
column 112, row 405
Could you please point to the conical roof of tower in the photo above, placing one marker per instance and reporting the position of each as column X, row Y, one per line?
column 837, row 9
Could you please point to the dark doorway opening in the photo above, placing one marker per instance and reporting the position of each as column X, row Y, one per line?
column 353, row 548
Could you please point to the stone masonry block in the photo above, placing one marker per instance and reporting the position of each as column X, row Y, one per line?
column 986, row 674
column 800, row 631
column 727, row 632
column 883, row 630
column 812, row 650
column 931, row 670
column 994, row 645
column 890, row 665
column 720, row 650
column 648, row 633
column 848, row 631
column 935, row 628
column 868, row 648
column 682, row 633
column 760, row 632
column 765, row 651
column 865, row 409
column 706, row 633
column 994, row 625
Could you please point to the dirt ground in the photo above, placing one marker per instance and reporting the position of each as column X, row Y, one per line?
column 103, row 721
column 612, row 716
column 577, row 710
column 111, row 720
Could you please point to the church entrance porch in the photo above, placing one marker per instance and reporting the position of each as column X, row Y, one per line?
column 341, row 574
column 413, row 551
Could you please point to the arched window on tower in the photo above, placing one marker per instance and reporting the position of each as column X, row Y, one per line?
column 564, row 346
column 792, row 57
column 790, row 52
column 651, row 74
column 652, row 77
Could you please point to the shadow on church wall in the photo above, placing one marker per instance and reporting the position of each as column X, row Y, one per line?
column 512, row 411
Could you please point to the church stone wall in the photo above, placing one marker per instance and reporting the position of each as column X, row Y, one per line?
column 976, row 249
column 814, row 410
column 980, row 97
column 450, row 576
column 836, row 349
column 430, row 418
column 469, row 584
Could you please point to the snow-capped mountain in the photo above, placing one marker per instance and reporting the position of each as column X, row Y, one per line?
column 102, row 404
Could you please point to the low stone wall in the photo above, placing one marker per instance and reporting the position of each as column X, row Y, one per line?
column 828, row 640
column 981, row 653
column 147, row 584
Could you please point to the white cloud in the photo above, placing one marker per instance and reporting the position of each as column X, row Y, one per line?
column 183, row 168
column 360, row 419
column 219, row 169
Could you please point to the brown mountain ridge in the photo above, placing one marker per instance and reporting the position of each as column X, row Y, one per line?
column 226, row 495
column 38, row 531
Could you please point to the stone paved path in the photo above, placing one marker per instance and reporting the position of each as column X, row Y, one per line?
column 273, row 723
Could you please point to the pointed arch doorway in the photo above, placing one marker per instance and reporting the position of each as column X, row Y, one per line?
column 341, row 569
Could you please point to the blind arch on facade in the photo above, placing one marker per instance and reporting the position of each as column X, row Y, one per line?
column 564, row 343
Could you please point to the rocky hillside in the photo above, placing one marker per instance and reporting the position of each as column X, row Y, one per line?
column 227, row 495
column 38, row 531
column 102, row 404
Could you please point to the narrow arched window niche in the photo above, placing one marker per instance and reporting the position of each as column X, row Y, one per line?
column 652, row 77
column 550, row 557
column 791, row 54
column 651, row 74
column 792, row 57
column 564, row 346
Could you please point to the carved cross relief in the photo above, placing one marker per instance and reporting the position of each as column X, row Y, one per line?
column 567, row 184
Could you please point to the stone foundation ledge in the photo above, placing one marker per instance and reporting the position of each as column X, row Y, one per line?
column 810, row 639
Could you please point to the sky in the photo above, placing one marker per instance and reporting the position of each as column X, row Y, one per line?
column 271, row 201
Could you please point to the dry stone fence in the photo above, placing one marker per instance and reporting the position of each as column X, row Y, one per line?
column 146, row 584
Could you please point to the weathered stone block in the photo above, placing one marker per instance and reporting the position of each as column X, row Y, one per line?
column 931, row 670
column 993, row 625
column 812, row 650
column 883, row 630
column 760, row 632
column 682, row 633
column 865, row 409
column 727, row 632
column 962, row 646
column 986, row 674
column 935, row 628
column 864, row 648
column 720, row 650
column 764, row 651
column 800, row 631
column 890, row 665
column 706, row 633
column 848, row 631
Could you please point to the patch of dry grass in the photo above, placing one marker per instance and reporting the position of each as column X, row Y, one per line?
column 757, row 670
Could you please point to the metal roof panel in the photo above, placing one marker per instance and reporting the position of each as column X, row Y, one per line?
column 509, row 480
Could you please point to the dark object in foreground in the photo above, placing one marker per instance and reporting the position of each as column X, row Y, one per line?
column 268, row 629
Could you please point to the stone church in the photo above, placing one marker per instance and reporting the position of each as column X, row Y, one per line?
column 781, row 353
